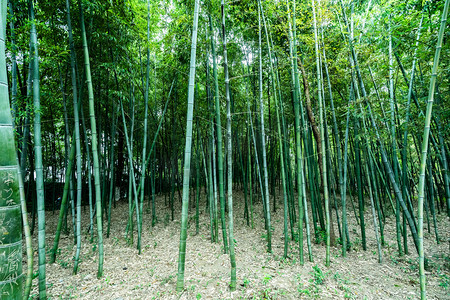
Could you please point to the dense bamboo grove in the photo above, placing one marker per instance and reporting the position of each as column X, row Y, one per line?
column 322, row 109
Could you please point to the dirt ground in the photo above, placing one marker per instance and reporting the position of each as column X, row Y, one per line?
column 260, row 275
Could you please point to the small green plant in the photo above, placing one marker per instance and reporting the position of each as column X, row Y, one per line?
column 166, row 280
column 263, row 295
column 166, row 220
column 304, row 292
column 321, row 236
column 444, row 280
column 345, row 289
column 357, row 244
column 246, row 282
column 318, row 275
column 266, row 279
column 199, row 296
column 63, row 263
column 394, row 260
column 340, row 279
column 35, row 275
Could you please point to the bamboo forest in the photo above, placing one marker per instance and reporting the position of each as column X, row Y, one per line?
column 245, row 149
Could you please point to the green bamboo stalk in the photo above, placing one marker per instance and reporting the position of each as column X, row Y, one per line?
column 431, row 200
column 374, row 217
column 393, row 137
column 385, row 185
column 249, row 173
column 212, row 207
column 211, row 184
column 219, row 140
column 286, row 147
column 98, row 199
column 38, row 157
column 251, row 137
column 144, row 143
column 321, row 117
column 10, row 205
column 216, row 212
column 358, row 167
column 112, row 164
column 264, row 184
column 26, row 229
column 230, row 156
column 445, row 168
column 290, row 216
column 377, row 198
column 207, row 160
column 280, row 140
column 26, row 126
column 336, row 138
column 66, row 149
column 311, row 179
column 298, row 142
column 62, row 212
column 405, row 182
column 152, row 146
column 88, row 164
column 187, row 154
column 263, row 140
column 76, row 137
column 367, row 160
column 132, row 179
column 154, row 165
column 197, row 182
column 258, row 169
column 423, row 157
column 304, row 129
column 153, row 182
column 244, row 179
column 209, row 192
column 345, row 237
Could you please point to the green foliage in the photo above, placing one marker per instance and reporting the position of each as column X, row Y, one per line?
column 342, row 285
column 444, row 281
column 246, row 282
column 266, row 279
column 321, row 236
column 318, row 275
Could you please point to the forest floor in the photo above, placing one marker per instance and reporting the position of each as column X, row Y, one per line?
column 260, row 275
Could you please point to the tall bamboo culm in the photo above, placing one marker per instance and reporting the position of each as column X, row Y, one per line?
column 423, row 157
column 322, row 120
column 187, row 155
column 229, row 158
column 38, row 156
column 98, row 198
column 11, row 250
